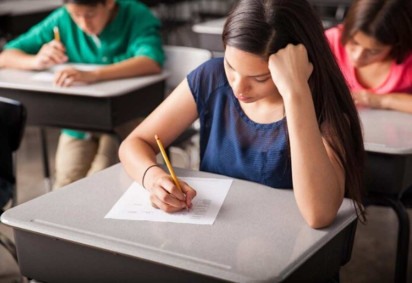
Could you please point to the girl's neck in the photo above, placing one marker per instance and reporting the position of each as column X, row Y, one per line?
column 374, row 75
column 264, row 112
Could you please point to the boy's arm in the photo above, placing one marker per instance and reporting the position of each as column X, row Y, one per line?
column 15, row 58
column 136, row 66
column 50, row 54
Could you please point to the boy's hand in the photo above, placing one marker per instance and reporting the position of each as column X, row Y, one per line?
column 50, row 54
column 69, row 76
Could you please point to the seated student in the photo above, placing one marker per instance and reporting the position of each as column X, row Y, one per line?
column 373, row 48
column 275, row 110
column 122, row 35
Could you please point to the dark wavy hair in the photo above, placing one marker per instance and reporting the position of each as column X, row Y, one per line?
column 388, row 21
column 262, row 27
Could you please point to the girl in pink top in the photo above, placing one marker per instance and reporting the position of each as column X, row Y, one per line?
column 373, row 48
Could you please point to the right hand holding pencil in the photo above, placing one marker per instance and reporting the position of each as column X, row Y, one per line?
column 50, row 54
column 165, row 195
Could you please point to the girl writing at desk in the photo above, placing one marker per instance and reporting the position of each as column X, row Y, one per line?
column 275, row 110
column 373, row 48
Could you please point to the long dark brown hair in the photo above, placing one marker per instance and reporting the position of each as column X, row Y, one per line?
column 388, row 21
column 263, row 27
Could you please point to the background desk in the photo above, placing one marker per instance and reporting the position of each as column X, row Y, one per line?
column 259, row 235
column 17, row 16
column 104, row 106
column 388, row 142
column 99, row 107
column 210, row 33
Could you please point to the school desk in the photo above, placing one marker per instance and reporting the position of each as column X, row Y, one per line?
column 104, row 106
column 17, row 16
column 388, row 142
column 259, row 235
column 209, row 34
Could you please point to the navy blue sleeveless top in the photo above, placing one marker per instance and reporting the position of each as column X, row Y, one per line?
column 230, row 143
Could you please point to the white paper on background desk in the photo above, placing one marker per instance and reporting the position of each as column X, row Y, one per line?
column 134, row 204
column 48, row 75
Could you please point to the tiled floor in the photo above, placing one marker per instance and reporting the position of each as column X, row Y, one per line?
column 373, row 255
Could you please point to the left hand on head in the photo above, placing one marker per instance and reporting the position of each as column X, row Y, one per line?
column 69, row 76
column 367, row 99
column 290, row 69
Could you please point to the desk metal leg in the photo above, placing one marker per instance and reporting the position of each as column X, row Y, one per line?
column 403, row 241
column 45, row 155
column 401, row 267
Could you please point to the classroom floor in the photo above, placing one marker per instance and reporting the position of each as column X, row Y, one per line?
column 373, row 254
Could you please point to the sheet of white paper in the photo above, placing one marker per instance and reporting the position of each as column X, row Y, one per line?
column 48, row 75
column 135, row 204
column 43, row 77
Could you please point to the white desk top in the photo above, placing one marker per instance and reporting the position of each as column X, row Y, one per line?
column 22, row 7
column 210, row 27
column 215, row 27
column 258, row 235
column 387, row 131
column 23, row 80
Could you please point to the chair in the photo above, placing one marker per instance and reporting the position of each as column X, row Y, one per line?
column 12, row 123
column 180, row 61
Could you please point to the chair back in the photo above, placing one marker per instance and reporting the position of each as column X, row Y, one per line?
column 12, row 120
column 180, row 61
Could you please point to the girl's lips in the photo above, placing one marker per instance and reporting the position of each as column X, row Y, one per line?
column 243, row 98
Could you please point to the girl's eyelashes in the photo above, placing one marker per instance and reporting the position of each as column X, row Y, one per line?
column 260, row 80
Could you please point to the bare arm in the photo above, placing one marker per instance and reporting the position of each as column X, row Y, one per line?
column 318, row 178
column 136, row 66
column 393, row 101
column 53, row 53
column 50, row 54
column 138, row 151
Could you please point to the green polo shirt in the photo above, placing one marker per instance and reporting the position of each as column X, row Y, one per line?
column 133, row 32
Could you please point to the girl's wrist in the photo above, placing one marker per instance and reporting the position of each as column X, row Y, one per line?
column 145, row 173
column 384, row 101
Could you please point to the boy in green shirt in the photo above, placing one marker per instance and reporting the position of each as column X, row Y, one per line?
column 122, row 35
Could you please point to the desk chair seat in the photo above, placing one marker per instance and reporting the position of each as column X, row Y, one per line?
column 12, row 123
column 180, row 61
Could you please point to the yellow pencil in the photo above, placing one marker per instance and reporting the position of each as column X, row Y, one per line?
column 169, row 166
column 56, row 33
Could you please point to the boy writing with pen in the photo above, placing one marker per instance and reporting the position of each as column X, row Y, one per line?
column 121, row 35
